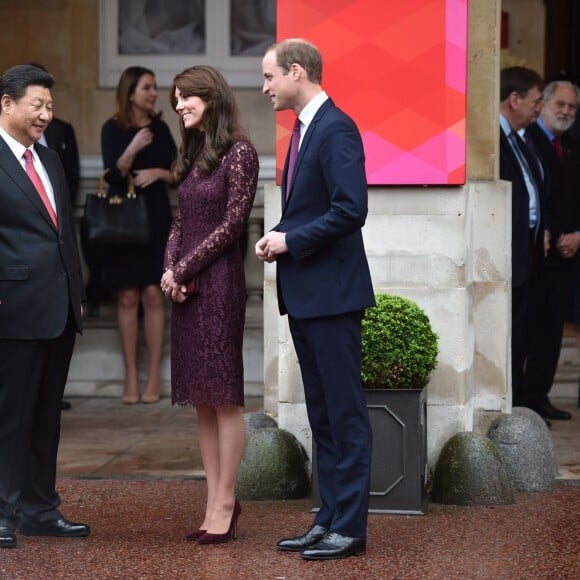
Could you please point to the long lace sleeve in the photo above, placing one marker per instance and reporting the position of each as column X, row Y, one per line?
column 240, row 166
column 173, row 242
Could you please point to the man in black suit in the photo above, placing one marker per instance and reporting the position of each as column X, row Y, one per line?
column 60, row 136
column 41, row 289
column 550, row 294
column 520, row 105
column 324, row 286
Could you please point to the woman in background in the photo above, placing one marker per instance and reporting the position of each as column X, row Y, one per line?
column 217, row 173
column 135, row 141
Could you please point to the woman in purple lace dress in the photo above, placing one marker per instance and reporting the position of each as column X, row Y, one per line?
column 217, row 172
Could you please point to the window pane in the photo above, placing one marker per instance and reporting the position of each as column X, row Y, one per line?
column 252, row 26
column 150, row 27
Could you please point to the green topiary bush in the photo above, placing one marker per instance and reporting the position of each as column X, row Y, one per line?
column 399, row 347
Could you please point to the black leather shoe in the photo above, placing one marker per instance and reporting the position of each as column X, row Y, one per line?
column 334, row 546
column 297, row 544
column 7, row 537
column 548, row 411
column 64, row 405
column 61, row 528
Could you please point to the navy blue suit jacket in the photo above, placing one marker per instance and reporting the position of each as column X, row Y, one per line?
column 325, row 271
column 510, row 170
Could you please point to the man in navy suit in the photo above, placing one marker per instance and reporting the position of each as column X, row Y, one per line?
column 324, row 286
column 41, row 289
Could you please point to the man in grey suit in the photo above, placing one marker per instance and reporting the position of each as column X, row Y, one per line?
column 324, row 285
column 41, row 289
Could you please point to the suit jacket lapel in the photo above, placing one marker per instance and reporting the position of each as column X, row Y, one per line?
column 16, row 172
column 303, row 147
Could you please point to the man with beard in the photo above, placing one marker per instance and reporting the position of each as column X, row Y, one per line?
column 550, row 293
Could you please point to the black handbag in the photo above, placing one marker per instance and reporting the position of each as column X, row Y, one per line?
column 116, row 220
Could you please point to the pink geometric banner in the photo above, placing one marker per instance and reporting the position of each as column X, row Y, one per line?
column 400, row 70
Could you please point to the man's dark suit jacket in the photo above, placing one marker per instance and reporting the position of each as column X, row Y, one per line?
column 60, row 136
column 325, row 272
column 509, row 170
column 562, row 184
column 40, row 273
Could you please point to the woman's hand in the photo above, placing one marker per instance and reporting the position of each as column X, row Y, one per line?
column 168, row 283
column 145, row 177
column 142, row 138
column 179, row 294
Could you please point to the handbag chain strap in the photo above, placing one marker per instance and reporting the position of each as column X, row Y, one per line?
column 115, row 199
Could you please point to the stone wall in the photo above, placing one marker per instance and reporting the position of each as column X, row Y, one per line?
column 63, row 35
column 447, row 248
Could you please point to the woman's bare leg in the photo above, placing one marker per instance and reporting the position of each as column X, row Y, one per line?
column 127, row 311
column 208, row 443
column 154, row 325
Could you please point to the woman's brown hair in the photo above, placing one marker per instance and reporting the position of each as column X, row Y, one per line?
column 125, row 88
column 220, row 120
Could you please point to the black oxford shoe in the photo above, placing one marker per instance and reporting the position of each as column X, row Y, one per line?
column 334, row 546
column 7, row 537
column 548, row 411
column 297, row 544
column 61, row 528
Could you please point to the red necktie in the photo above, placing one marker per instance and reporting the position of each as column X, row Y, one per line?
column 558, row 146
column 37, row 182
column 294, row 142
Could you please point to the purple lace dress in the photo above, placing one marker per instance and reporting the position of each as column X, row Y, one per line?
column 207, row 329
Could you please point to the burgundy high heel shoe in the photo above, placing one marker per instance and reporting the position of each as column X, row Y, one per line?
column 231, row 534
column 195, row 535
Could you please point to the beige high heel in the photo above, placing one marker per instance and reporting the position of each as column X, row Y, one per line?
column 130, row 399
column 149, row 399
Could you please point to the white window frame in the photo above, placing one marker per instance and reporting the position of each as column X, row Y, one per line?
column 240, row 71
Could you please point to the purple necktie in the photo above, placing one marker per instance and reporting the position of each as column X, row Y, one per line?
column 294, row 142
column 558, row 146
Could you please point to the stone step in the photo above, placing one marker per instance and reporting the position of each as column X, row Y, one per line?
column 97, row 367
column 97, row 364
column 567, row 380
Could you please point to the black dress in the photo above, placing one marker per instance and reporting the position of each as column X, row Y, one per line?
column 137, row 267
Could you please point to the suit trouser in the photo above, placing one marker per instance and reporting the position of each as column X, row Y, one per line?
column 549, row 303
column 33, row 376
column 519, row 342
column 329, row 354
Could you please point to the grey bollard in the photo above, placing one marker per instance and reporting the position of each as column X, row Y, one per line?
column 527, row 450
column 470, row 471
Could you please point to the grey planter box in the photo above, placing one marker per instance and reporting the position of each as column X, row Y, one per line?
column 399, row 460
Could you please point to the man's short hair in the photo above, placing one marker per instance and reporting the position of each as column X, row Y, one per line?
column 302, row 52
column 17, row 79
column 520, row 80
column 552, row 87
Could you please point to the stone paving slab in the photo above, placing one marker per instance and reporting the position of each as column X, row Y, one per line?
column 138, row 528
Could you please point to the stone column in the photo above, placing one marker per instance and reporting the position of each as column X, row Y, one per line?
column 447, row 248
